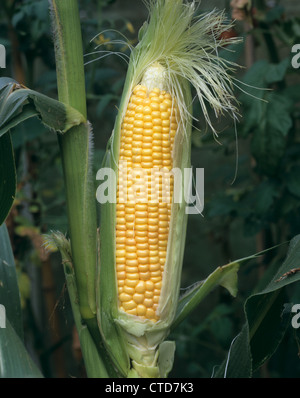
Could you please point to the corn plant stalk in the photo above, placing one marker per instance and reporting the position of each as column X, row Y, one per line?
column 76, row 149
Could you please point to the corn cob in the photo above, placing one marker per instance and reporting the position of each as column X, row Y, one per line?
column 141, row 250
column 142, row 227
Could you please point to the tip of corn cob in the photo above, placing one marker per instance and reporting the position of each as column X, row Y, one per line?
column 155, row 77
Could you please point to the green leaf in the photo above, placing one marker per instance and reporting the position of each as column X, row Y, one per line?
column 92, row 348
column 28, row 112
column 27, row 131
column 166, row 358
column 238, row 361
column 269, row 138
column 292, row 181
column 54, row 114
column 276, row 72
column 9, row 290
column 267, row 318
column 7, row 176
column 292, row 92
column 268, row 324
column 15, row 362
column 260, row 200
column 225, row 276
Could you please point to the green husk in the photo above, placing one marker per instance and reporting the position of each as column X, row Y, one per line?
column 183, row 51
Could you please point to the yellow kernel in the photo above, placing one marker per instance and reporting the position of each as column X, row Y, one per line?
column 131, row 283
column 138, row 88
column 129, row 305
column 121, row 227
column 152, row 228
column 142, row 246
column 156, row 114
column 147, row 126
column 137, row 159
column 141, row 287
column 132, row 262
column 121, row 275
column 149, row 285
column 131, row 270
column 129, row 234
column 153, row 267
column 141, row 207
column 147, row 110
column 131, row 255
column 131, row 106
column 141, row 239
column 146, row 165
column 148, row 294
column 162, row 261
column 141, row 310
column 156, row 122
column 158, row 285
column 138, row 123
column 147, row 132
column 136, row 151
column 141, row 234
column 130, row 241
column 150, row 314
column 147, row 152
column 144, row 276
column 141, row 227
column 133, row 311
column 157, row 136
column 120, row 267
column 156, row 279
column 148, row 303
column 140, row 221
column 163, row 107
column 143, row 253
column 143, row 261
column 120, row 260
column 144, row 267
column 134, row 277
column 154, row 105
column 156, row 91
column 163, row 237
column 138, row 298
column 129, row 290
column 123, row 297
column 156, row 274
column 153, row 241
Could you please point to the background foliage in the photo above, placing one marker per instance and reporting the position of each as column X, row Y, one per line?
column 252, row 188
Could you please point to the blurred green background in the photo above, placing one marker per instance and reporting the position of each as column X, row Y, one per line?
column 252, row 184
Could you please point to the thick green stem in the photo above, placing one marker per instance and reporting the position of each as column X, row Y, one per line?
column 75, row 148
column 76, row 152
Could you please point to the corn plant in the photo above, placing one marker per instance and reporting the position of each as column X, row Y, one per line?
column 123, row 275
